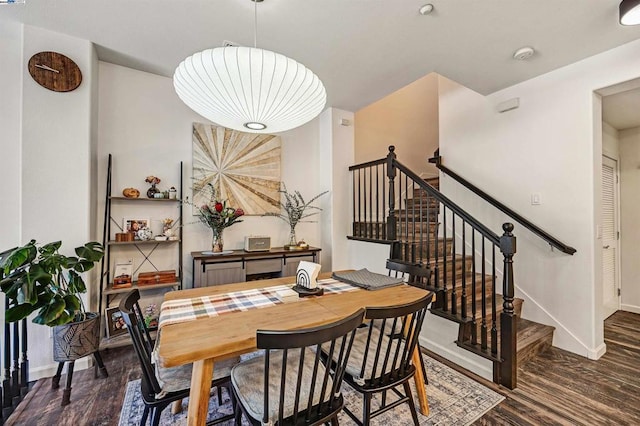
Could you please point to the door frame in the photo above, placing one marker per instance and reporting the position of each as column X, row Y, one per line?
column 617, row 265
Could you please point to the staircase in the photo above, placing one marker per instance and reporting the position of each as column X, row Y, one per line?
column 423, row 227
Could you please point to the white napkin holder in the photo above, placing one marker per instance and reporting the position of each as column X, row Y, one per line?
column 307, row 275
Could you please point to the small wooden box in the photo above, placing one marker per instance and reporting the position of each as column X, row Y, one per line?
column 157, row 277
column 124, row 236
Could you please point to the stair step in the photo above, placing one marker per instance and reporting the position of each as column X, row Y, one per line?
column 433, row 181
column 427, row 213
column 533, row 339
column 414, row 250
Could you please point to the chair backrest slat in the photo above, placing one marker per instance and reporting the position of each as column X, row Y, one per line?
column 391, row 339
column 303, row 343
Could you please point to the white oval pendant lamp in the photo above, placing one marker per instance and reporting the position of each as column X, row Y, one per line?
column 630, row 12
column 249, row 89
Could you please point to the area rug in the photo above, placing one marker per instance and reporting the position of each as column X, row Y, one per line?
column 454, row 399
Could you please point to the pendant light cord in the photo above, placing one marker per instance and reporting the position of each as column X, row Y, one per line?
column 255, row 23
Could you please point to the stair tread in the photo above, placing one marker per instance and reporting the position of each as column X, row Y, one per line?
column 529, row 332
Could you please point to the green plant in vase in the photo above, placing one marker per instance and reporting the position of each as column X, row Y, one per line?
column 295, row 210
column 218, row 216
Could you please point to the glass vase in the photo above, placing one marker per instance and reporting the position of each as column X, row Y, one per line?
column 293, row 241
column 217, row 244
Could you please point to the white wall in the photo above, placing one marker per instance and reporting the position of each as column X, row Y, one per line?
column 147, row 129
column 629, row 213
column 10, row 138
column 336, row 155
column 55, row 165
column 408, row 119
column 546, row 147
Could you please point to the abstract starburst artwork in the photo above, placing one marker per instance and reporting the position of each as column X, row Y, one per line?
column 244, row 168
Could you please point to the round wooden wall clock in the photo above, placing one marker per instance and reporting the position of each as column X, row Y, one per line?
column 55, row 71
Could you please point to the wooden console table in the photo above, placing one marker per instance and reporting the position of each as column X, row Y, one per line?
column 240, row 265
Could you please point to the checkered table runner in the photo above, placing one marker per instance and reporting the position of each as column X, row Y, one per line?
column 182, row 310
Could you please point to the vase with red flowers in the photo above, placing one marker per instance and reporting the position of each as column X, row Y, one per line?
column 218, row 216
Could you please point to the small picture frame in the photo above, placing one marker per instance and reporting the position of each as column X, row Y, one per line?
column 134, row 225
column 115, row 322
column 122, row 274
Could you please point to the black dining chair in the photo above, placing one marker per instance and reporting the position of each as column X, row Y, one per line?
column 162, row 386
column 413, row 274
column 416, row 275
column 381, row 356
column 288, row 384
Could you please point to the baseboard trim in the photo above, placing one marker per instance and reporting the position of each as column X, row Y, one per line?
column 596, row 353
column 456, row 358
column 50, row 370
column 630, row 308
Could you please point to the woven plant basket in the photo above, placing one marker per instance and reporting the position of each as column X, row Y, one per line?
column 77, row 339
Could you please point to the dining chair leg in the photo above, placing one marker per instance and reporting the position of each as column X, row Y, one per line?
column 334, row 421
column 155, row 416
column 145, row 414
column 219, row 392
column 366, row 410
column 412, row 405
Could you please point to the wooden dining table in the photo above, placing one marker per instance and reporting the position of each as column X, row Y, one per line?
column 206, row 341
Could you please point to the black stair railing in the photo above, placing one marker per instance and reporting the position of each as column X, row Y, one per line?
column 395, row 206
column 14, row 364
column 15, row 367
column 550, row 239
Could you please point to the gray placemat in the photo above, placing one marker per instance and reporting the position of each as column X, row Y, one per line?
column 367, row 279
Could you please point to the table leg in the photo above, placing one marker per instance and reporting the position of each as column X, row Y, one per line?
column 201, row 377
column 419, row 381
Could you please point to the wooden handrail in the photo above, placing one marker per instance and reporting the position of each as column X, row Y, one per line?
column 553, row 242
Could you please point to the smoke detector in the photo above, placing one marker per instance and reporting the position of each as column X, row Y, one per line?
column 426, row 9
column 524, row 53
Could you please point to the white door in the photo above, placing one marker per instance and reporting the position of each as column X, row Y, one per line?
column 610, row 252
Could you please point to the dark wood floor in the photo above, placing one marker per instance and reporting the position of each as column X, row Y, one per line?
column 556, row 388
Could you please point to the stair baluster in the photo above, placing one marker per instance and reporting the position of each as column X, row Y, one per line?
column 508, row 327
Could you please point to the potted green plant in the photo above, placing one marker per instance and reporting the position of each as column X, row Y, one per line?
column 40, row 278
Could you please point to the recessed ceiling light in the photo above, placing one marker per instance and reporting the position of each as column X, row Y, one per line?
column 426, row 9
column 524, row 53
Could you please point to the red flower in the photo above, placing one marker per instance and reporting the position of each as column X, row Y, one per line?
column 239, row 212
column 219, row 207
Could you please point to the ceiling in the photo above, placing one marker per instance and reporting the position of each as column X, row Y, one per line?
column 361, row 49
column 622, row 110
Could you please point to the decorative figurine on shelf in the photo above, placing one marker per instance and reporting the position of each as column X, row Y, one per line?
column 167, row 227
column 131, row 193
column 144, row 234
column 153, row 190
column 173, row 193
column 294, row 208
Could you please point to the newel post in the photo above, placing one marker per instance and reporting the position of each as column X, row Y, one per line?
column 508, row 327
column 391, row 218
